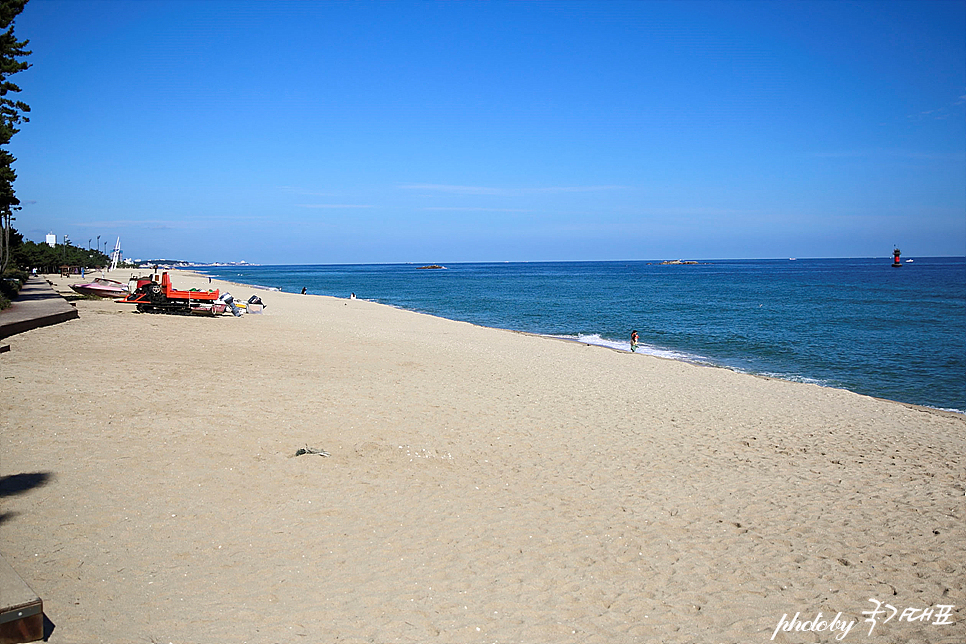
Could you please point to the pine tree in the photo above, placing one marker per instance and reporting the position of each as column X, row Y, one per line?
column 12, row 114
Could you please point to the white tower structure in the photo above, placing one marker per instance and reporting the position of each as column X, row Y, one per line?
column 115, row 255
column 51, row 239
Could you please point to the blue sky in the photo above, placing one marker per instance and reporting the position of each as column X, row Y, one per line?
column 357, row 132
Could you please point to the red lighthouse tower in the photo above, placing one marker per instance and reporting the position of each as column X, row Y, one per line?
column 895, row 258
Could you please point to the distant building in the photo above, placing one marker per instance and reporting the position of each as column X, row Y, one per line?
column 51, row 240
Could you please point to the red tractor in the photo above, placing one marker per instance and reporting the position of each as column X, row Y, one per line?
column 152, row 297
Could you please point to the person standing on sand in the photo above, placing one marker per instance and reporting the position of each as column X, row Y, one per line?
column 634, row 341
column 303, row 290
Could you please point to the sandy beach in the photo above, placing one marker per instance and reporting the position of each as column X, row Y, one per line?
column 481, row 485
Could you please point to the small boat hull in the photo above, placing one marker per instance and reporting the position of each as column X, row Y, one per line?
column 215, row 308
column 101, row 287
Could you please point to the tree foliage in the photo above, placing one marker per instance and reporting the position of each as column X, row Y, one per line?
column 12, row 114
column 28, row 254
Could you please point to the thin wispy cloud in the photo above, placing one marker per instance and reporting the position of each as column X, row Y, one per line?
column 845, row 154
column 576, row 189
column 473, row 209
column 331, row 205
column 894, row 154
column 295, row 190
column 700, row 211
column 502, row 192
column 456, row 190
column 939, row 113
column 125, row 223
column 190, row 222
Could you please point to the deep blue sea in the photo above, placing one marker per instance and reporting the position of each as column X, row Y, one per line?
column 857, row 324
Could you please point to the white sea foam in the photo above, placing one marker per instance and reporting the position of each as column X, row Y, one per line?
column 646, row 349
column 794, row 378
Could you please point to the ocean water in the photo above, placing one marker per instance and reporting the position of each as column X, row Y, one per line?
column 857, row 324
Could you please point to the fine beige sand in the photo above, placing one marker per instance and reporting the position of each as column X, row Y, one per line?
column 481, row 486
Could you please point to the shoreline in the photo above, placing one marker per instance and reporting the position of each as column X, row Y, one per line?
column 703, row 363
column 953, row 413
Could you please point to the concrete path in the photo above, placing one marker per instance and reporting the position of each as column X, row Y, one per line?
column 21, row 610
column 37, row 305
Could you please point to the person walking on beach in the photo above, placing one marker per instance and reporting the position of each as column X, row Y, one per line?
column 303, row 290
column 634, row 341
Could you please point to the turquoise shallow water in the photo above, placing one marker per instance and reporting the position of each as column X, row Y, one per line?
column 857, row 324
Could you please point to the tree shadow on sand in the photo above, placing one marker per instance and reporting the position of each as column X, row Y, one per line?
column 14, row 484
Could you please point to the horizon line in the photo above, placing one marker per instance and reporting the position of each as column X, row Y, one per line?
column 238, row 263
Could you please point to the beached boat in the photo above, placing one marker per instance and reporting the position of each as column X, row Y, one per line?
column 214, row 308
column 102, row 287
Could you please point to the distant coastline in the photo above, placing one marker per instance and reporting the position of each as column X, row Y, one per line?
column 184, row 264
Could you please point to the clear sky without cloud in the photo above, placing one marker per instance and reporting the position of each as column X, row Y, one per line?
column 358, row 132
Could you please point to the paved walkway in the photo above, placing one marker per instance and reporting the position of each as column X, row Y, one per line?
column 21, row 610
column 37, row 305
